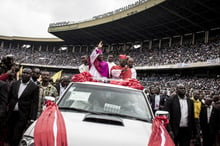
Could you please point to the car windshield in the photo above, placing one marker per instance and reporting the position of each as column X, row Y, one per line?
column 106, row 100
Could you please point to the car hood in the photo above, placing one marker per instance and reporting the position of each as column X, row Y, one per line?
column 84, row 133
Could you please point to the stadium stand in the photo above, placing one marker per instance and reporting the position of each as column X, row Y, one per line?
column 187, row 53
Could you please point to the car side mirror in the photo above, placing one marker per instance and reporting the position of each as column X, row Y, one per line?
column 162, row 113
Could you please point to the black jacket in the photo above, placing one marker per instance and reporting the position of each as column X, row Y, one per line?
column 213, row 124
column 152, row 101
column 28, row 101
column 172, row 105
column 3, row 99
column 57, row 86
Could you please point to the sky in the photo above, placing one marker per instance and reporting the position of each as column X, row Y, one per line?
column 31, row 18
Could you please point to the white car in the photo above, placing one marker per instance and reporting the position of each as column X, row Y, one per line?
column 101, row 114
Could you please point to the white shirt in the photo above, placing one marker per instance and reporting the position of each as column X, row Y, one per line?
column 209, row 112
column 62, row 89
column 133, row 73
column 20, row 91
column 83, row 68
column 157, row 102
column 184, row 112
column 110, row 64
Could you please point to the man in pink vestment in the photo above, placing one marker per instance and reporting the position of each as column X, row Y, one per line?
column 98, row 67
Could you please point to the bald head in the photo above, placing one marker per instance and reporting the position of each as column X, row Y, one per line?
column 130, row 62
column 181, row 90
column 26, row 74
column 35, row 74
column 65, row 81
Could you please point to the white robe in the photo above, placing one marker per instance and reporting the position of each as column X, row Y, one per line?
column 93, row 71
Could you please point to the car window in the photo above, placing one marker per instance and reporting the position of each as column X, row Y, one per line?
column 103, row 99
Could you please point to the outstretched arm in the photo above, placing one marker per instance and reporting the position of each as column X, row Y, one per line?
column 95, row 53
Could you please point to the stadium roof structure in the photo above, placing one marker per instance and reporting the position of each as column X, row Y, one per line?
column 17, row 40
column 153, row 19
column 30, row 39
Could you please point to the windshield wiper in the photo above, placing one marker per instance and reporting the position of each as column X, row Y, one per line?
column 75, row 109
column 122, row 116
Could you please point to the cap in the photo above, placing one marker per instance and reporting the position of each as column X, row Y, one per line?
column 122, row 56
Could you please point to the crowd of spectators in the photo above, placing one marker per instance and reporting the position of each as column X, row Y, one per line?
column 185, row 53
column 42, row 57
column 168, row 82
column 202, row 98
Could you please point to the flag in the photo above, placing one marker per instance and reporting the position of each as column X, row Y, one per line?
column 57, row 75
column 19, row 72
column 159, row 135
column 50, row 128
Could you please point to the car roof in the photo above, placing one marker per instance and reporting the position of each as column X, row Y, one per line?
column 107, row 85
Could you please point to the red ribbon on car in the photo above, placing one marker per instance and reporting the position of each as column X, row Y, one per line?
column 86, row 76
column 159, row 135
column 83, row 77
column 132, row 83
column 44, row 132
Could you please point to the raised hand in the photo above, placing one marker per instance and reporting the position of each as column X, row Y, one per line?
column 100, row 44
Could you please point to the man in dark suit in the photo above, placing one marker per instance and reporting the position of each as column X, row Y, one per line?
column 157, row 101
column 23, row 103
column 3, row 99
column 181, row 111
column 3, row 109
column 207, row 122
column 62, row 85
column 216, row 119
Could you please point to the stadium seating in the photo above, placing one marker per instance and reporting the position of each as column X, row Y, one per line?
column 186, row 53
